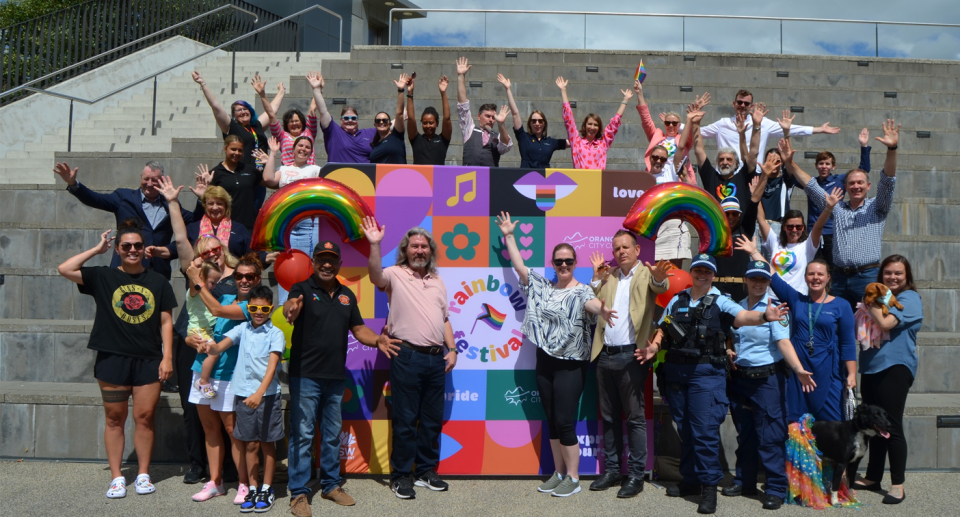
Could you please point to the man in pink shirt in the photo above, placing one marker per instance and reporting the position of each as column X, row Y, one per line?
column 423, row 351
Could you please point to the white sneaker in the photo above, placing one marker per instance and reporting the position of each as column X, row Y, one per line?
column 143, row 485
column 118, row 488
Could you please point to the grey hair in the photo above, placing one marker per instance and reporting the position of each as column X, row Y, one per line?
column 155, row 166
column 726, row 150
column 402, row 248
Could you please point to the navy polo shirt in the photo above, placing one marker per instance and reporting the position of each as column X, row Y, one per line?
column 536, row 154
column 318, row 347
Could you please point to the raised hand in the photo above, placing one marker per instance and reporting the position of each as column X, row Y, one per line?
column 627, row 94
column 167, row 190
column 281, row 88
column 274, row 144
column 758, row 111
column 608, row 315
column 402, row 82
column 505, row 81
column 104, row 243
column 834, row 197
column 694, row 116
column 200, row 185
column 506, row 225
column 785, row 120
column 741, row 121
column 562, row 83
column 828, row 129
column 258, row 84
column 663, row 115
column 502, row 116
column 806, row 380
column 702, row 101
column 776, row 312
column 599, row 263
column 463, row 66
column 770, row 167
column 315, row 80
column 786, row 150
column 372, row 230
column 891, row 133
column 864, row 137
column 637, row 87
column 292, row 311
column 659, row 270
column 442, row 84
column 66, row 173
column 197, row 78
column 744, row 244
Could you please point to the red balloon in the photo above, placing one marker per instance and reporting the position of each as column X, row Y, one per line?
column 679, row 280
column 292, row 266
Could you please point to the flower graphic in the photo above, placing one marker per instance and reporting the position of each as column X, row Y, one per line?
column 133, row 302
column 460, row 242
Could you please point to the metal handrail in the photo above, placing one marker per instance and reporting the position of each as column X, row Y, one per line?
column 153, row 123
column 26, row 85
column 665, row 15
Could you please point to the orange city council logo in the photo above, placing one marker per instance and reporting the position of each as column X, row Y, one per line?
column 344, row 299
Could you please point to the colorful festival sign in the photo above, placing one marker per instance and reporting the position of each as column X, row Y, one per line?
column 493, row 418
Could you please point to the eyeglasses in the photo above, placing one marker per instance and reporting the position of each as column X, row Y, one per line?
column 349, row 118
column 259, row 308
column 795, row 227
column 211, row 252
column 564, row 262
column 658, row 159
column 537, row 121
column 742, row 103
column 125, row 246
column 381, row 121
column 671, row 122
column 249, row 277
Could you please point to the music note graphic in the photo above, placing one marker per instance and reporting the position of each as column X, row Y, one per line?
column 469, row 196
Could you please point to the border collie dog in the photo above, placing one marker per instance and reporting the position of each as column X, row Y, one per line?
column 843, row 442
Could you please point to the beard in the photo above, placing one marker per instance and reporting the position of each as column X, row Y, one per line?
column 728, row 170
column 418, row 263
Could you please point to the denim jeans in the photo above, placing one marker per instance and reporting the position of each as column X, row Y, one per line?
column 852, row 287
column 311, row 399
column 303, row 237
column 418, row 384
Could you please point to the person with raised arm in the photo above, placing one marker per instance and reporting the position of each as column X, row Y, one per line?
column 536, row 148
column 777, row 186
column 422, row 351
column 587, row 146
column 481, row 146
column 294, row 126
column 668, row 138
column 557, row 321
column 858, row 222
column 344, row 142
column 388, row 145
column 430, row 147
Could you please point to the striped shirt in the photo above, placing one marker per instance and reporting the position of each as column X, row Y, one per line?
column 556, row 319
column 286, row 140
column 858, row 232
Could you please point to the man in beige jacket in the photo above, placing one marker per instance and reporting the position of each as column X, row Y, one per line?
column 621, row 377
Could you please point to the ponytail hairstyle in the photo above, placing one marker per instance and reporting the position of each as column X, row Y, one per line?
column 563, row 246
column 131, row 225
column 251, row 260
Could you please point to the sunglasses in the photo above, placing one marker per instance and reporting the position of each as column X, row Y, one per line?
column 125, row 246
column 537, row 121
column 658, row 159
column 381, row 121
column 743, row 103
column 671, row 122
column 249, row 277
column 211, row 252
column 564, row 262
column 795, row 227
column 259, row 308
column 349, row 118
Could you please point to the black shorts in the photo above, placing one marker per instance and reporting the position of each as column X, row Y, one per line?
column 264, row 424
column 126, row 371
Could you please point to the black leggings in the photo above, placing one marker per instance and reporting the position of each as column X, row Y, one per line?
column 560, row 382
column 888, row 389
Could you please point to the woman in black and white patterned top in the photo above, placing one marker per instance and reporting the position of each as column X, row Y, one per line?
column 558, row 321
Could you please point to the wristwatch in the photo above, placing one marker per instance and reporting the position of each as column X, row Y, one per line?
column 197, row 287
column 454, row 350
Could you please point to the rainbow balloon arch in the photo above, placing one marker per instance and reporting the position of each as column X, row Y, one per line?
column 493, row 419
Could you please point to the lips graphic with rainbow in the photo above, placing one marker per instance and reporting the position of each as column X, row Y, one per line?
column 545, row 191
column 784, row 261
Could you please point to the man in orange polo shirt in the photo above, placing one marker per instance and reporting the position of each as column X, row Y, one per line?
column 424, row 351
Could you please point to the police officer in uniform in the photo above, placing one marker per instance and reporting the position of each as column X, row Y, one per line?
column 694, row 331
column 756, row 390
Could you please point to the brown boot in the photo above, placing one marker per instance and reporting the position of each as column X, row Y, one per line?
column 300, row 507
column 339, row 496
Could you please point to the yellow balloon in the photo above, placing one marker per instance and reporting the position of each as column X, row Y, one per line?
column 281, row 323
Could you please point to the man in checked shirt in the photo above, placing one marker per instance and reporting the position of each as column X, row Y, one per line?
column 859, row 222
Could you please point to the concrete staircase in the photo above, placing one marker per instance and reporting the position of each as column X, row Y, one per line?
column 44, row 322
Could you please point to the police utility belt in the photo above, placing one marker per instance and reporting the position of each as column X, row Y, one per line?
column 694, row 336
column 759, row 372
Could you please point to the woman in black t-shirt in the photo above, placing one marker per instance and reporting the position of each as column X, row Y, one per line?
column 133, row 336
column 238, row 179
column 430, row 148
column 388, row 145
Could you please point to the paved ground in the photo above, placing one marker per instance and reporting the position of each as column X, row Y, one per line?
column 68, row 489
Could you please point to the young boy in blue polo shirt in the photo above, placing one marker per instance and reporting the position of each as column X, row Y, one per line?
column 259, row 422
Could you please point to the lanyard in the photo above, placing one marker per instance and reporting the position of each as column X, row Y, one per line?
column 812, row 320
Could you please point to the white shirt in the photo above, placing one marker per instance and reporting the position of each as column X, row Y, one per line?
column 669, row 173
column 725, row 132
column 623, row 333
column 291, row 173
column 790, row 261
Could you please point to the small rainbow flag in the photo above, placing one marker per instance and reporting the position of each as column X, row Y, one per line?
column 641, row 73
column 490, row 316
column 546, row 197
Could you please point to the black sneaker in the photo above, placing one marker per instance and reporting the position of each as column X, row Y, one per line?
column 432, row 481
column 264, row 501
column 195, row 475
column 402, row 488
column 249, row 503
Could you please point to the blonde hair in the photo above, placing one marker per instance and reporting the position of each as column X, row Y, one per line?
column 219, row 193
column 202, row 243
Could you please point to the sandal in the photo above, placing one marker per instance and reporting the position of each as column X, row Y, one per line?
column 143, row 485
column 118, row 488
column 206, row 390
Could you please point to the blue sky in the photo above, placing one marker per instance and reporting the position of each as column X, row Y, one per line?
column 636, row 33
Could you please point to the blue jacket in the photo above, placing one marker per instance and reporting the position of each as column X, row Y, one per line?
column 126, row 203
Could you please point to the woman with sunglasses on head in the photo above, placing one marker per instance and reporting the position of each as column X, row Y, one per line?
column 558, row 321
column 133, row 336
column 388, row 145
column 822, row 333
column 887, row 372
column 668, row 138
column 344, row 142
column 792, row 248
column 588, row 146
column 239, row 179
column 536, row 148
column 429, row 148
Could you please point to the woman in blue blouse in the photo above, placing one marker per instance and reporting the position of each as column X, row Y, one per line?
column 888, row 372
column 822, row 334
column 536, row 148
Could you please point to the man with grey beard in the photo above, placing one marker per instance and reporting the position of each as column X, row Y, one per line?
column 422, row 351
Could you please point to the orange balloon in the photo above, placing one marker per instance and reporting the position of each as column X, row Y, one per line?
column 679, row 280
column 292, row 266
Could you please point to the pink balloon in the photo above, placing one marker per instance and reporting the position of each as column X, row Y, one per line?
column 292, row 266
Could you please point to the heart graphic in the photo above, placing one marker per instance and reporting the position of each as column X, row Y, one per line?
column 404, row 197
column 526, row 254
column 526, row 241
column 726, row 190
column 784, row 261
column 526, row 227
